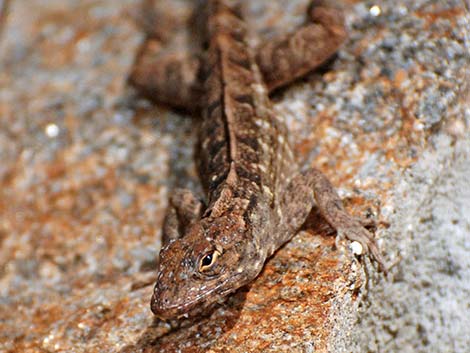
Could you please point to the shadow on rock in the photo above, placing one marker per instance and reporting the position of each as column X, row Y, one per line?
column 191, row 335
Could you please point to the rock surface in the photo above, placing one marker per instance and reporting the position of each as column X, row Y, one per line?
column 87, row 167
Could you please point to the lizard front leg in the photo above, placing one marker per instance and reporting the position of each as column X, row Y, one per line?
column 285, row 59
column 184, row 208
column 311, row 187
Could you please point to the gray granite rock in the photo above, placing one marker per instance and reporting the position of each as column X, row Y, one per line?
column 86, row 167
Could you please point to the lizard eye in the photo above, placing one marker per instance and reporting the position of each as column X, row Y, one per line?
column 208, row 260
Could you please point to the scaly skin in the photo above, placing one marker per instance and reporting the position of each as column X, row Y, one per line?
column 256, row 198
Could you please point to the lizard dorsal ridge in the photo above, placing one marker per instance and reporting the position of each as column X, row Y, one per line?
column 232, row 177
column 223, row 202
column 226, row 194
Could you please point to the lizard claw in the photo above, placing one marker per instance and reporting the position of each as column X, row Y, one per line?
column 356, row 232
column 368, row 223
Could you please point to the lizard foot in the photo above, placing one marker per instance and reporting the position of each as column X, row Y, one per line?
column 355, row 231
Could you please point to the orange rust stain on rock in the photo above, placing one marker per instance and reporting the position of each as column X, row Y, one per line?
column 400, row 76
column 451, row 14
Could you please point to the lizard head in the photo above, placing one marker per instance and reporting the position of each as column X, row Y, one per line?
column 213, row 259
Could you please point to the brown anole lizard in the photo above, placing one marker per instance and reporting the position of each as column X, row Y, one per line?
column 257, row 199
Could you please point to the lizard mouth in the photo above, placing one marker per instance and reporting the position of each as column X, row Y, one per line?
column 202, row 304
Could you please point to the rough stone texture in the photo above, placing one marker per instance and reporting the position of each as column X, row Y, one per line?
column 425, row 306
column 87, row 166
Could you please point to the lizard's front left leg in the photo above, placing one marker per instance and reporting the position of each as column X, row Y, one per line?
column 311, row 187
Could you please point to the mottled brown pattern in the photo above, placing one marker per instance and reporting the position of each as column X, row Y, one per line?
column 256, row 198
column 293, row 56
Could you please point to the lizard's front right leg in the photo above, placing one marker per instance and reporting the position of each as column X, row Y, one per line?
column 183, row 210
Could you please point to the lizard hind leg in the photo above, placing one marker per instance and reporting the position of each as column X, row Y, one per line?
column 183, row 210
column 171, row 79
column 329, row 13
column 313, row 186
column 289, row 57
column 167, row 68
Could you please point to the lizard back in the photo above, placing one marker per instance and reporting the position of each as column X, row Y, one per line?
column 241, row 142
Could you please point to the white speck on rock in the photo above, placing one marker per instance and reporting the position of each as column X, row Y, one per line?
column 52, row 130
column 356, row 248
